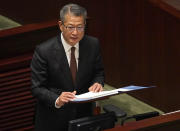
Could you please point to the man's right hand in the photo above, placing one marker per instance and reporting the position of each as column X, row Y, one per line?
column 65, row 97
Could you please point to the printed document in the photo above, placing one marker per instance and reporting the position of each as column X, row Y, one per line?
column 93, row 95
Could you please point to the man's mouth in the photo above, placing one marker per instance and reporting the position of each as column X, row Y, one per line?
column 74, row 38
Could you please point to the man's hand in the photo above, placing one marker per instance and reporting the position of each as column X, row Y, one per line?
column 65, row 97
column 96, row 87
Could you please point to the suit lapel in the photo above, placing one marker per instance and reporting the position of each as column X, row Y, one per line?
column 61, row 58
column 81, row 61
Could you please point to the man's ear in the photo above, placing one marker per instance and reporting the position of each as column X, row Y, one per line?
column 60, row 25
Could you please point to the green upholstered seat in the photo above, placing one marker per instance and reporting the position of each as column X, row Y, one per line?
column 6, row 23
column 127, row 103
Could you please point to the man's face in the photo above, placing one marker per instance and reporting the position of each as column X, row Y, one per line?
column 72, row 28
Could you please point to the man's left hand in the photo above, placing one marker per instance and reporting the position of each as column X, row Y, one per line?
column 96, row 87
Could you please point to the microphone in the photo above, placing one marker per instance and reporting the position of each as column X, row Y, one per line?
column 145, row 115
column 141, row 116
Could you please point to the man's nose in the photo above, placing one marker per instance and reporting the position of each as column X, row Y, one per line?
column 75, row 31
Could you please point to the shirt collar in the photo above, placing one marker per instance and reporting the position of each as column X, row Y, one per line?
column 67, row 47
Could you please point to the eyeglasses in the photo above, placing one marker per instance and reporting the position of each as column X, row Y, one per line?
column 72, row 28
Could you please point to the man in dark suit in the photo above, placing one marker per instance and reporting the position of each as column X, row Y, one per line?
column 63, row 66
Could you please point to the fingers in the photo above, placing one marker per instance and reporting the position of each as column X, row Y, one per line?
column 96, row 87
column 74, row 92
column 65, row 97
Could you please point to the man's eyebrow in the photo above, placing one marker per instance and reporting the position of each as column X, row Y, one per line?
column 70, row 25
column 74, row 25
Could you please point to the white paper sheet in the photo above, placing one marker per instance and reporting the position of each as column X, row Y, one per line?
column 91, row 95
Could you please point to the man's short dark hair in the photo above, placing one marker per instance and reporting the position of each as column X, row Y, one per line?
column 73, row 9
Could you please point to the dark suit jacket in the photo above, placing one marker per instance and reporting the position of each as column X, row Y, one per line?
column 51, row 75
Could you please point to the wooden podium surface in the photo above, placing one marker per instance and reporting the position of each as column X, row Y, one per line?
column 167, row 122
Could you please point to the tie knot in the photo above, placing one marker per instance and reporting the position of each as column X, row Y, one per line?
column 73, row 49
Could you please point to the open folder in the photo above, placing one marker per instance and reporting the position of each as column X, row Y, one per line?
column 92, row 95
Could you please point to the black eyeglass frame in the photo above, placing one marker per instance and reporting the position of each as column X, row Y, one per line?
column 72, row 28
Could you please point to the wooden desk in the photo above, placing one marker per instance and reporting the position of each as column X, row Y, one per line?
column 168, row 122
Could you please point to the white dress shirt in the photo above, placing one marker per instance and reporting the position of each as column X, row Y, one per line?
column 67, row 49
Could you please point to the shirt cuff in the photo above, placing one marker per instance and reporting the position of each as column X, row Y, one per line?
column 57, row 105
